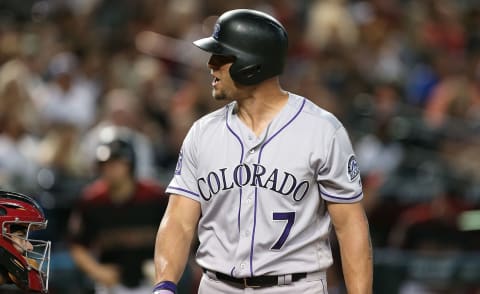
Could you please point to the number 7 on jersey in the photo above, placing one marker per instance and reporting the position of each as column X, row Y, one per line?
column 283, row 216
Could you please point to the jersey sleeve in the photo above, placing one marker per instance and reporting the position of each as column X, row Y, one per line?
column 184, row 179
column 339, row 177
column 81, row 231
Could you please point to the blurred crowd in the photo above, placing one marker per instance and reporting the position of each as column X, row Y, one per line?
column 402, row 75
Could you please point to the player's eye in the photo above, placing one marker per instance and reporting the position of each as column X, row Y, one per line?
column 20, row 234
column 219, row 60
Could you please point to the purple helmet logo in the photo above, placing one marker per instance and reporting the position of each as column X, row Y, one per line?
column 216, row 30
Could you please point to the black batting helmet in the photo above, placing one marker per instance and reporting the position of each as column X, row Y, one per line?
column 116, row 143
column 257, row 41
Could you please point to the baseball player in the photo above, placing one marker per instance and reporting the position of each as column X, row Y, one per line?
column 23, row 261
column 263, row 179
column 112, row 227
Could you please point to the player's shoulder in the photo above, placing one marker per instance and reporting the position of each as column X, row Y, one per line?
column 215, row 117
column 150, row 189
column 315, row 114
column 95, row 192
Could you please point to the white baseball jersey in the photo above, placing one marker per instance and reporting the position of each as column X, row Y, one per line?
column 263, row 198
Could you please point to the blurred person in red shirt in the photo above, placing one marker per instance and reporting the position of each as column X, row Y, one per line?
column 112, row 228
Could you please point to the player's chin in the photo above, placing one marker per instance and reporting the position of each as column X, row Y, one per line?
column 217, row 95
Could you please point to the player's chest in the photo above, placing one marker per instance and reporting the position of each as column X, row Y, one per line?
column 226, row 154
column 285, row 170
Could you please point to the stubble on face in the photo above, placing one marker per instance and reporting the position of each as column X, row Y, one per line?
column 223, row 85
column 222, row 91
column 219, row 95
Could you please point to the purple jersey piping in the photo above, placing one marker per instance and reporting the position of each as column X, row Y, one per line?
column 256, row 189
column 241, row 160
column 281, row 129
column 184, row 190
column 341, row 198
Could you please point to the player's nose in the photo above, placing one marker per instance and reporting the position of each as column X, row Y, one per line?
column 28, row 246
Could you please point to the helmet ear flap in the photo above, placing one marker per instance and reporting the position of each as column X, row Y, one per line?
column 247, row 74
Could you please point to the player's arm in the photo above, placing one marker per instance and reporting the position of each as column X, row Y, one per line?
column 174, row 238
column 105, row 274
column 351, row 227
column 78, row 230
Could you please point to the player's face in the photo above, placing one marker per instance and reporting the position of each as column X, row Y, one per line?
column 116, row 171
column 20, row 243
column 223, row 87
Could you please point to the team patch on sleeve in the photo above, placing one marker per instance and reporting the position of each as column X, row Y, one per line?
column 353, row 169
column 178, row 168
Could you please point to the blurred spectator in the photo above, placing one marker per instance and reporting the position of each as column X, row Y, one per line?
column 17, row 150
column 461, row 156
column 122, row 108
column 423, row 77
column 440, row 26
column 15, row 82
column 113, row 227
column 155, row 88
column 380, row 57
column 456, row 96
column 378, row 151
column 431, row 230
column 61, row 163
column 431, row 226
column 67, row 98
column 330, row 25
column 18, row 118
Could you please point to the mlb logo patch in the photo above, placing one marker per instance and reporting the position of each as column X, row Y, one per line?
column 178, row 167
column 353, row 169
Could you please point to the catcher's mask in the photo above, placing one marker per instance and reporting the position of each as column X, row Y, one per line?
column 25, row 261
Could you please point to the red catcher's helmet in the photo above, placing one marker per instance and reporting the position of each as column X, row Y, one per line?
column 28, row 267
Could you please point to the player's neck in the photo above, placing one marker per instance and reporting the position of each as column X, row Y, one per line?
column 122, row 192
column 260, row 109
